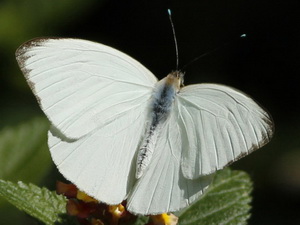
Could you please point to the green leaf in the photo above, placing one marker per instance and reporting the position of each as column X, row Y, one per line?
column 23, row 149
column 227, row 201
column 40, row 203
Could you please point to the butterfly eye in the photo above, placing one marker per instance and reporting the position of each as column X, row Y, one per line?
column 181, row 78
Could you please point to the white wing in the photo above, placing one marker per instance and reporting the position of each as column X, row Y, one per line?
column 96, row 99
column 219, row 125
column 103, row 162
column 82, row 85
column 163, row 188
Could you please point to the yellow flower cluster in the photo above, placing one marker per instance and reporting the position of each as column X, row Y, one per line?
column 89, row 211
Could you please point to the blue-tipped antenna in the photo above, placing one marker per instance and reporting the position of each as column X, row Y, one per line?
column 175, row 40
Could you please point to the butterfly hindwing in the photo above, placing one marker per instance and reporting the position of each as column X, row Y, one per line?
column 163, row 187
column 103, row 162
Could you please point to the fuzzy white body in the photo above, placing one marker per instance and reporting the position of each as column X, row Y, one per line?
column 163, row 97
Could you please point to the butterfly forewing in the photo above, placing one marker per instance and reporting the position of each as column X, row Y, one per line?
column 82, row 85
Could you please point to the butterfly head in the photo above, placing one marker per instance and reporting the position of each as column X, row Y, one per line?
column 175, row 78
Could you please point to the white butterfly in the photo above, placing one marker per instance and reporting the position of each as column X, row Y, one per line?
column 118, row 133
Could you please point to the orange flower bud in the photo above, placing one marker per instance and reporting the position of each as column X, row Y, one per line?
column 68, row 190
column 84, row 197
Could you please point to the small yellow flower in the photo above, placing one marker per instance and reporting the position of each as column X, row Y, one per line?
column 117, row 212
column 89, row 211
column 164, row 219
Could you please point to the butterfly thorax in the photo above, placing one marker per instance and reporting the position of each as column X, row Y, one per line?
column 160, row 107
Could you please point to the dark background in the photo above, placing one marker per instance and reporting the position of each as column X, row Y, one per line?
column 264, row 65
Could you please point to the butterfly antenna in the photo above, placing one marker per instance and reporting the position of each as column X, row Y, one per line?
column 211, row 51
column 175, row 40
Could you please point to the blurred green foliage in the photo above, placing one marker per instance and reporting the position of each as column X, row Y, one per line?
column 23, row 149
column 21, row 20
column 24, row 20
column 23, row 131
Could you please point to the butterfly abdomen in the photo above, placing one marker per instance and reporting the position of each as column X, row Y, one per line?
column 161, row 105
